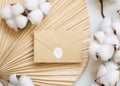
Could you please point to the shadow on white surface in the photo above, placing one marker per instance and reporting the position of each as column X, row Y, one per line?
column 110, row 9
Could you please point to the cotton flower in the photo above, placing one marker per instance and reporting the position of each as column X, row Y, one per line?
column 17, row 9
column 101, row 76
column 108, row 31
column 6, row 13
column 100, row 37
column 25, row 81
column 94, row 46
column 106, row 23
column 11, row 24
column 106, row 26
column 116, row 57
column 31, row 4
column 13, row 79
column 103, row 81
column 111, row 66
column 113, row 77
column 101, row 71
column 17, row 15
column 113, row 40
column 116, row 26
column 37, row 8
column 21, row 21
column 108, row 74
column 20, row 80
column 13, row 15
column 105, row 52
column 41, row 2
column 45, row 8
column 35, row 16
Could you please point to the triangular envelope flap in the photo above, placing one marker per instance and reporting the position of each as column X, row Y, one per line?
column 47, row 41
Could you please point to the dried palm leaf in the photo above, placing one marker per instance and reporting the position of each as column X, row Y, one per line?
column 16, row 48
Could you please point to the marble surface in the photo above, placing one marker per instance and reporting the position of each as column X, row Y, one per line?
column 110, row 9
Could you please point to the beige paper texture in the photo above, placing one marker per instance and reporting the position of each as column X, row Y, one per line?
column 47, row 41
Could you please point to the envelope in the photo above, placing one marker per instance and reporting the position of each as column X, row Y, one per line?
column 57, row 46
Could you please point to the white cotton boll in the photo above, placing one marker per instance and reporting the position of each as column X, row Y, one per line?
column 115, row 19
column 17, row 9
column 21, row 21
column 30, row 4
column 1, row 84
column 93, row 49
column 11, row 24
column 41, row 2
column 13, row 79
column 106, row 22
column 113, row 77
column 116, row 57
column 116, row 27
column 35, row 16
column 105, row 52
column 111, row 66
column 101, row 71
column 108, row 31
column 45, row 8
column 113, row 39
column 25, row 81
column 6, row 13
column 100, row 36
column 104, row 81
column 95, row 84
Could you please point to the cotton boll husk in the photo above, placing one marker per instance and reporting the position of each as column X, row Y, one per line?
column 100, row 36
column 25, row 81
column 45, row 8
column 103, row 80
column 17, row 9
column 6, row 13
column 111, row 66
column 93, row 49
column 21, row 21
column 105, row 52
column 35, row 16
column 1, row 84
column 41, row 2
column 116, row 27
column 13, row 79
column 113, row 39
column 106, row 22
column 113, row 77
column 11, row 24
column 116, row 57
column 101, row 71
column 31, row 4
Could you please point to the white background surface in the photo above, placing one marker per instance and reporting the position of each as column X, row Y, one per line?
column 110, row 9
